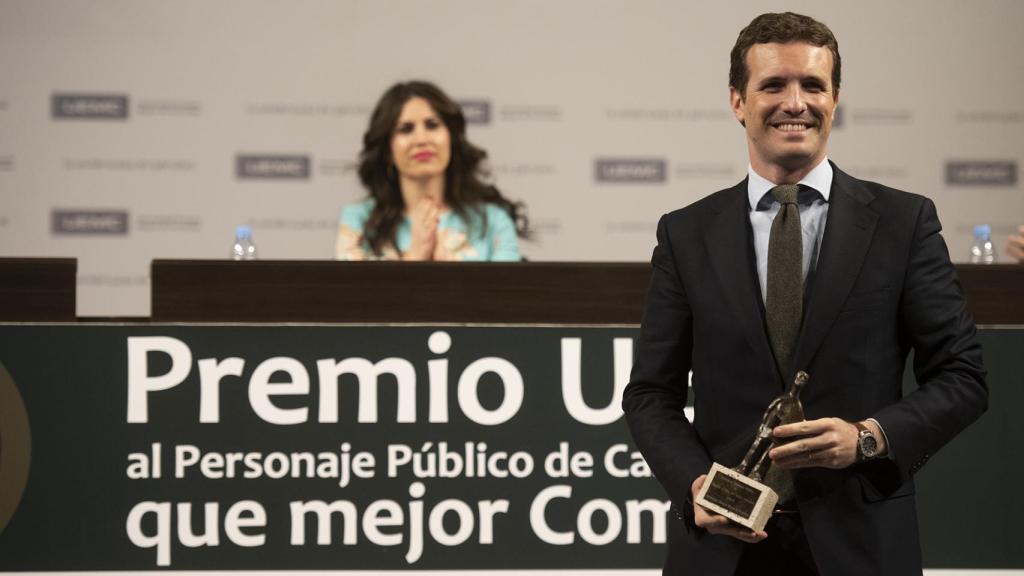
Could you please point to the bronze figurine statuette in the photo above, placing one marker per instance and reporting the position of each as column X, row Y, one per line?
column 748, row 493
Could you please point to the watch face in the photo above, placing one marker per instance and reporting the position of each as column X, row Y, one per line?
column 868, row 445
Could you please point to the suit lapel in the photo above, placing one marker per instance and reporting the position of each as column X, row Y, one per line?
column 848, row 231
column 731, row 254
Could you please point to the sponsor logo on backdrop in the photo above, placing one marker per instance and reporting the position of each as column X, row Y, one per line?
column 130, row 164
column 519, row 113
column 169, row 108
column 15, row 438
column 112, row 280
column 699, row 170
column 545, row 226
column 476, row 111
column 275, row 167
column 524, row 169
column 168, row 223
column 966, row 230
column 631, row 226
column 990, row 116
column 312, row 110
column 881, row 116
column 65, row 106
column 665, row 114
column 336, row 167
column 89, row 222
column 876, row 172
column 293, row 223
column 981, row 173
column 631, row 170
column 6, row 163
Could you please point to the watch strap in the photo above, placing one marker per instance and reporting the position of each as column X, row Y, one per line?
column 862, row 431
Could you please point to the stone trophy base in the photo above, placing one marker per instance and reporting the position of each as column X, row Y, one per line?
column 743, row 500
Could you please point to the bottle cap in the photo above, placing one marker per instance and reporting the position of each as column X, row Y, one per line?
column 243, row 231
column 983, row 230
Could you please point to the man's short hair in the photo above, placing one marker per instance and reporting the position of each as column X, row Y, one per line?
column 782, row 28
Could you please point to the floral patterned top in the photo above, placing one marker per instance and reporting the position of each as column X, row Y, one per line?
column 458, row 239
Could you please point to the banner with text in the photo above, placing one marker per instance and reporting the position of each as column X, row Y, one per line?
column 327, row 447
column 432, row 448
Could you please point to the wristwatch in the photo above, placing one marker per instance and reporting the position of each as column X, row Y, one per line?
column 867, row 444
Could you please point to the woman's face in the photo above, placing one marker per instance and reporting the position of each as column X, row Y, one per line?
column 420, row 143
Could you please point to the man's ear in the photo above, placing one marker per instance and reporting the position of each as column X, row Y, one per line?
column 736, row 103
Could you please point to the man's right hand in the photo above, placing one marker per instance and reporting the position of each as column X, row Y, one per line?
column 718, row 524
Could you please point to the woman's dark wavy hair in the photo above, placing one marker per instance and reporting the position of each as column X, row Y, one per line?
column 466, row 187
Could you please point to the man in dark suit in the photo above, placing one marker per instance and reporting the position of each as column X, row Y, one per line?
column 801, row 267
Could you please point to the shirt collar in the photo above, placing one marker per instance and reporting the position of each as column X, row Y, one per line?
column 819, row 179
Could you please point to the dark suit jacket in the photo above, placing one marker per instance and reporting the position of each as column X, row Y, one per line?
column 884, row 285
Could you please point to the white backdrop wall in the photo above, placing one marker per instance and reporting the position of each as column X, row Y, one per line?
column 125, row 124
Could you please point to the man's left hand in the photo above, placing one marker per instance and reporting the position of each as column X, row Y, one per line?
column 823, row 443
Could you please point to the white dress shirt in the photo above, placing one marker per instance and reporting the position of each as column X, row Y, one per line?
column 812, row 217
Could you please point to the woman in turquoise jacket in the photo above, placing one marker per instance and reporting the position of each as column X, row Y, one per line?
column 428, row 199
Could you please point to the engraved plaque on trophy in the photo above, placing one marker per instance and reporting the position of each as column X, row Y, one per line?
column 740, row 494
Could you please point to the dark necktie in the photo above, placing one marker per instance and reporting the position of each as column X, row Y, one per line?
column 784, row 305
column 784, row 297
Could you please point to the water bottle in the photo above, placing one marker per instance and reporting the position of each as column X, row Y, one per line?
column 243, row 248
column 982, row 251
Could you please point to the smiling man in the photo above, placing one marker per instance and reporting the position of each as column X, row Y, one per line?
column 801, row 267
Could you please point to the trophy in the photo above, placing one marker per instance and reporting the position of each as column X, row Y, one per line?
column 741, row 494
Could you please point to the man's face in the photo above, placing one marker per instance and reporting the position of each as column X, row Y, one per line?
column 788, row 106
